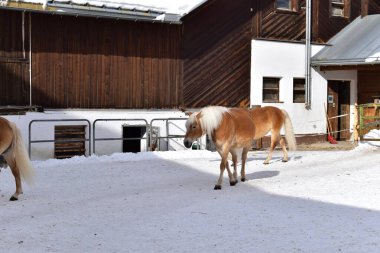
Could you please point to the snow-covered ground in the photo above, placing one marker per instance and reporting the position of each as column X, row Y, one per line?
column 320, row 201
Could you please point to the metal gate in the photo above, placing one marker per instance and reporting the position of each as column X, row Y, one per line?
column 58, row 141
column 168, row 136
column 94, row 139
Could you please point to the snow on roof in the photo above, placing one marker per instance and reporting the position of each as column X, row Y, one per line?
column 178, row 7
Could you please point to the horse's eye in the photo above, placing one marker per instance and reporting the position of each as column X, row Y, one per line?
column 194, row 126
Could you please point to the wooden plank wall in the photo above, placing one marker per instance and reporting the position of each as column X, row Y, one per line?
column 81, row 62
column 216, row 54
column 325, row 25
column 281, row 25
column 14, row 59
column 368, row 85
column 373, row 7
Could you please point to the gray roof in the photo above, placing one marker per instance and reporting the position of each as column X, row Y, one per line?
column 357, row 44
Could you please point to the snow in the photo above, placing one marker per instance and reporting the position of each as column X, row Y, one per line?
column 179, row 7
column 319, row 201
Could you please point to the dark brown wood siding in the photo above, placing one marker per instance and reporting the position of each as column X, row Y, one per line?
column 368, row 85
column 282, row 25
column 14, row 59
column 217, row 54
column 285, row 25
column 373, row 7
column 326, row 26
column 80, row 62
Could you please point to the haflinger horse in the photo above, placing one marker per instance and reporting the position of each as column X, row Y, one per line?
column 13, row 150
column 233, row 129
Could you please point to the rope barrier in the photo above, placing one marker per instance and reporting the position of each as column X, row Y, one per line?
column 329, row 133
column 339, row 116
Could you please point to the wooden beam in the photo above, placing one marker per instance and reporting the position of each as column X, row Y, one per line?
column 364, row 8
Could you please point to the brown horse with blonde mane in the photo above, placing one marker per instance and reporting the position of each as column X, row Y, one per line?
column 233, row 129
column 13, row 150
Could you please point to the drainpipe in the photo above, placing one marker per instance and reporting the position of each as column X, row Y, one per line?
column 308, row 56
column 23, row 34
column 30, row 59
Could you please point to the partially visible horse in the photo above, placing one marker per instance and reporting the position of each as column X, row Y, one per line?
column 234, row 129
column 14, row 152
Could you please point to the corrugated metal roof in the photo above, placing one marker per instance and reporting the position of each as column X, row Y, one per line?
column 150, row 10
column 358, row 43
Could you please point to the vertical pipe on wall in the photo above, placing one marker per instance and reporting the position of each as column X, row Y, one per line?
column 308, row 56
column 30, row 59
column 23, row 33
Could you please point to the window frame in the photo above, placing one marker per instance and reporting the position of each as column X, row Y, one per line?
column 299, row 90
column 344, row 4
column 270, row 90
column 294, row 8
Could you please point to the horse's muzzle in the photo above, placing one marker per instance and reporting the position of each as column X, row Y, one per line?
column 187, row 143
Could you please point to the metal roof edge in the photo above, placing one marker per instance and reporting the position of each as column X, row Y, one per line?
column 342, row 63
column 96, row 12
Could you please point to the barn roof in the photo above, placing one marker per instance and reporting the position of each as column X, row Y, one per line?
column 357, row 44
column 148, row 10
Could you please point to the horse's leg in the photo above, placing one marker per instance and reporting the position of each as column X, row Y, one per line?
column 273, row 143
column 17, row 176
column 282, row 143
column 234, row 160
column 223, row 164
column 243, row 160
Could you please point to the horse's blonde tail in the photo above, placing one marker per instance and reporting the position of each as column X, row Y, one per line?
column 289, row 133
column 21, row 156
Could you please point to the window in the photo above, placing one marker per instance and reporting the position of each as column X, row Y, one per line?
column 339, row 8
column 299, row 90
column 287, row 5
column 271, row 89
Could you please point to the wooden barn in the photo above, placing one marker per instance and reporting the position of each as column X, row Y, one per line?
column 68, row 54
column 128, row 55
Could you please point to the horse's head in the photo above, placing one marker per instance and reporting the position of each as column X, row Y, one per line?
column 193, row 129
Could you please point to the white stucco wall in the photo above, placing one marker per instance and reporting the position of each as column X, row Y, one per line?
column 287, row 61
column 109, row 129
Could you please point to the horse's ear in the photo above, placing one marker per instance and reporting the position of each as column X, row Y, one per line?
column 183, row 109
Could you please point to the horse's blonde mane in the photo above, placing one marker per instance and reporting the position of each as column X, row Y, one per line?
column 211, row 118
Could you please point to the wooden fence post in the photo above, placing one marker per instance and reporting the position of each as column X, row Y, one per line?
column 356, row 125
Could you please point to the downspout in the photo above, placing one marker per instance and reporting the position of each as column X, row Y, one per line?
column 30, row 59
column 23, row 34
column 308, row 56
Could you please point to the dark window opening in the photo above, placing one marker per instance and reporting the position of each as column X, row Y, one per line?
column 287, row 5
column 339, row 8
column 135, row 133
column 271, row 90
column 299, row 90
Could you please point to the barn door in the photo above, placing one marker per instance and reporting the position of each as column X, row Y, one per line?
column 338, row 104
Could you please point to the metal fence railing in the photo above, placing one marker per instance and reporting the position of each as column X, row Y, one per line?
column 95, row 139
column 30, row 141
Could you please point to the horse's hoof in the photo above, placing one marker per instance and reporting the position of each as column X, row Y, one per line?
column 13, row 198
column 284, row 161
column 266, row 163
column 243, row 179
column 233, row 183
column 217, row 187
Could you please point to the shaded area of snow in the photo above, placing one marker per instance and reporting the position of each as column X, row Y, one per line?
column 163, row 202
